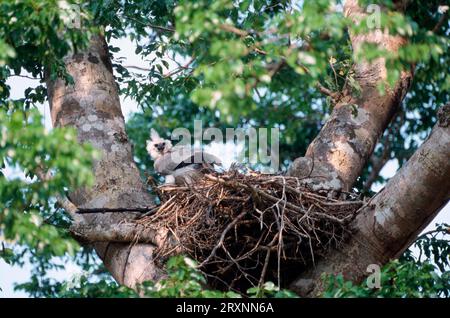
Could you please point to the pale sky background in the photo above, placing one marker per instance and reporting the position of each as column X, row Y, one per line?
column 15, row 274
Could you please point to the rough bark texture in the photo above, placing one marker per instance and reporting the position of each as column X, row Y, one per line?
column 395, row 216
column 124, row 232
column 336, row 157
column 92, row 106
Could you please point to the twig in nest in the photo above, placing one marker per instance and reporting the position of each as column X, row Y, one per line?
column 222, row 238
column 232, row 222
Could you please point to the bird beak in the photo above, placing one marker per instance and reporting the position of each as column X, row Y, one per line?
column 160, row 147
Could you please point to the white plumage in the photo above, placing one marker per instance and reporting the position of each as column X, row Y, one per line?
column 180, row 164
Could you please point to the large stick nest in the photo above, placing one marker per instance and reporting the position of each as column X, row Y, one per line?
column 248, row 228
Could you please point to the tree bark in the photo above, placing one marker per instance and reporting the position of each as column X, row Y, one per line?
column 337, row 156
column 124, row 232
column 92, row 106
column 390, row 222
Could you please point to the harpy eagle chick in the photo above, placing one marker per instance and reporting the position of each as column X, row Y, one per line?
column 180, row 165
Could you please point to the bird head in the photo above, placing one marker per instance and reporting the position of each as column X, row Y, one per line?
column 157, row 146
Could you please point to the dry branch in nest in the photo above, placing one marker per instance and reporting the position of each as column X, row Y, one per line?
column 248, row 228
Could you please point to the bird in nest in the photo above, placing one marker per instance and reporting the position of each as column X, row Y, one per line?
column 180, row 165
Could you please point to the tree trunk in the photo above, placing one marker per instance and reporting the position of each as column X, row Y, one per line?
column 92, row 106
column 347, row 140
column 391, row 220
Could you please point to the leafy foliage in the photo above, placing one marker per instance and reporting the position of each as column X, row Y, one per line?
column 30, row 225
column 35, row 35
column 25, row 207
column 183, row 280
column 409, row 276
column 398, row 279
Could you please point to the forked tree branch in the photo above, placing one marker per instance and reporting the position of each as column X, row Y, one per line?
column 347, row 140
column 391, row 221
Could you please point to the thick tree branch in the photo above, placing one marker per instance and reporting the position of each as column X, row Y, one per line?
column 395, row 216
column 92, row 106
column 348, row 138
column 125, row 232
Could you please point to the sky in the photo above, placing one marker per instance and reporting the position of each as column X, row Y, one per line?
column 15, row 274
